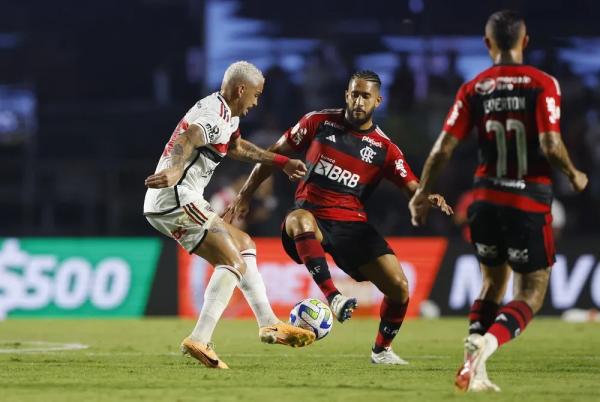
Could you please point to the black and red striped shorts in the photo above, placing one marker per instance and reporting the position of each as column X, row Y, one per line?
column 503, row 234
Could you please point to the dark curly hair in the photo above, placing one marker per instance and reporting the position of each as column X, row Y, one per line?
column 367, row 75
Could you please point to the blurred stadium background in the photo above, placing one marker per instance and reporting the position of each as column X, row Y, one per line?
column 90, row 92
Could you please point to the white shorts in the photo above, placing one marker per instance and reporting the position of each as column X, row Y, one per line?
column 188, row 224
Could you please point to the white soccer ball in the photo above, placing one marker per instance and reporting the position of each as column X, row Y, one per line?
column 313, row 315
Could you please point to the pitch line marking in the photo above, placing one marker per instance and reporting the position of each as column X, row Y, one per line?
column 38, row 346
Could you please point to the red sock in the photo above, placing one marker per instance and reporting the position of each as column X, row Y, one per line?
column 511, row 321
column 313, row 256
column 482, row 315
column 392, row 315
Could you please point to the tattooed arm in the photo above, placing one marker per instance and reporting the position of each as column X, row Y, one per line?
column 174, row 163
column 240, row 206
column 246, row 151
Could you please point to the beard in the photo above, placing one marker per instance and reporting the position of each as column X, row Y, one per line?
column 358, row 121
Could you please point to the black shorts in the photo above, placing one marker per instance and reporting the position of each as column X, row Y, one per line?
column 502, row 234
column 351, row 244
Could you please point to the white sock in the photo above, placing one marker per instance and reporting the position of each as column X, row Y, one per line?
column 491, row 345
column 216, row 297
column 255, row 292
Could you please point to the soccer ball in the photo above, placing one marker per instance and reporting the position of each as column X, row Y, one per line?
column 314, row 315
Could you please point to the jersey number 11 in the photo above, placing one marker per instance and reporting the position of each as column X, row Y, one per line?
column 521, row 142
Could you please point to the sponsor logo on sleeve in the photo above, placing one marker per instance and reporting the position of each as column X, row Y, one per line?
column 297, row 134
column 553, row 109
column 455, row 112
column 401, row 168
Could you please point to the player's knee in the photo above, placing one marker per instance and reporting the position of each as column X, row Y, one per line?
column 239, row 265
column 246, row 242
column 398, row 288
column 234, row 261
column 298, row 222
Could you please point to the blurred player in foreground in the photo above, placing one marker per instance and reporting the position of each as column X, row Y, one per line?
column 175, row 206
column 347, row 156
column 516, row 110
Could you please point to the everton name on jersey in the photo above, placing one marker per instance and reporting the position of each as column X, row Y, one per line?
column 213, row 116
column 510, row 106
column 344, row 165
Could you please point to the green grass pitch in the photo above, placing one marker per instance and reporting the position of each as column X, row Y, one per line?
column 139, row 360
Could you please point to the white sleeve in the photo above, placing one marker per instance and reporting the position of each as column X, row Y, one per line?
column 213, row 126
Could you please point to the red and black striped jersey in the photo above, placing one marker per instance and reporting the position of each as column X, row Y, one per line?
column 344, row 165
column 509, row 105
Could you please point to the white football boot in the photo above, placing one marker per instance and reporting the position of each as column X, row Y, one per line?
column 387, row 356
column 472, row 375
column 481, row 382
column 342, row 307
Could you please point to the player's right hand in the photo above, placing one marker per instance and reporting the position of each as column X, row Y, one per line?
column 238, row 209
column 579, row 181
column 419, row 206
column 165, row 178
column 295, row 169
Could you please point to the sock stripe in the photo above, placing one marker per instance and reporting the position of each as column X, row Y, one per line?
column 525, row 310
column 311, row 252
column 518, row 315
column 305, row 236
column 251, row 252
column 230, row 269
column 392, row 316
column 482, row 315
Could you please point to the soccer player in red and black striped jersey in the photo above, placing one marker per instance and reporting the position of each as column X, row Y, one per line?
column 347, row 155
column 515, row 109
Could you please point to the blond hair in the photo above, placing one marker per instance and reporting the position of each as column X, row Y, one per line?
column 242, row 71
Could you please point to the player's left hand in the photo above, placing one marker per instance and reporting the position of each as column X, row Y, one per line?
column 436, row 200
column 165, row 178
column 295, row 169
column 237, row 210
column 419, row 206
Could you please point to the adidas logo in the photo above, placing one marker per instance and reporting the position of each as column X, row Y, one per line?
column 331, row 138
column 501, row 317
column 476, row 326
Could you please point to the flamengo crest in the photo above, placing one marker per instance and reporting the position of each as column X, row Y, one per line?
column 367, row 154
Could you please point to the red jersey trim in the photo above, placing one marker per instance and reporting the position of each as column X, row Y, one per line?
column 220, row 148
column 509, row 200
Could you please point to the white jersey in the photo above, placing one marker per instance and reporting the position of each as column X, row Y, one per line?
column 213, row 115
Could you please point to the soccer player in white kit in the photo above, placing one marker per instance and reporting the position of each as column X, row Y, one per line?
column 175, row 206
